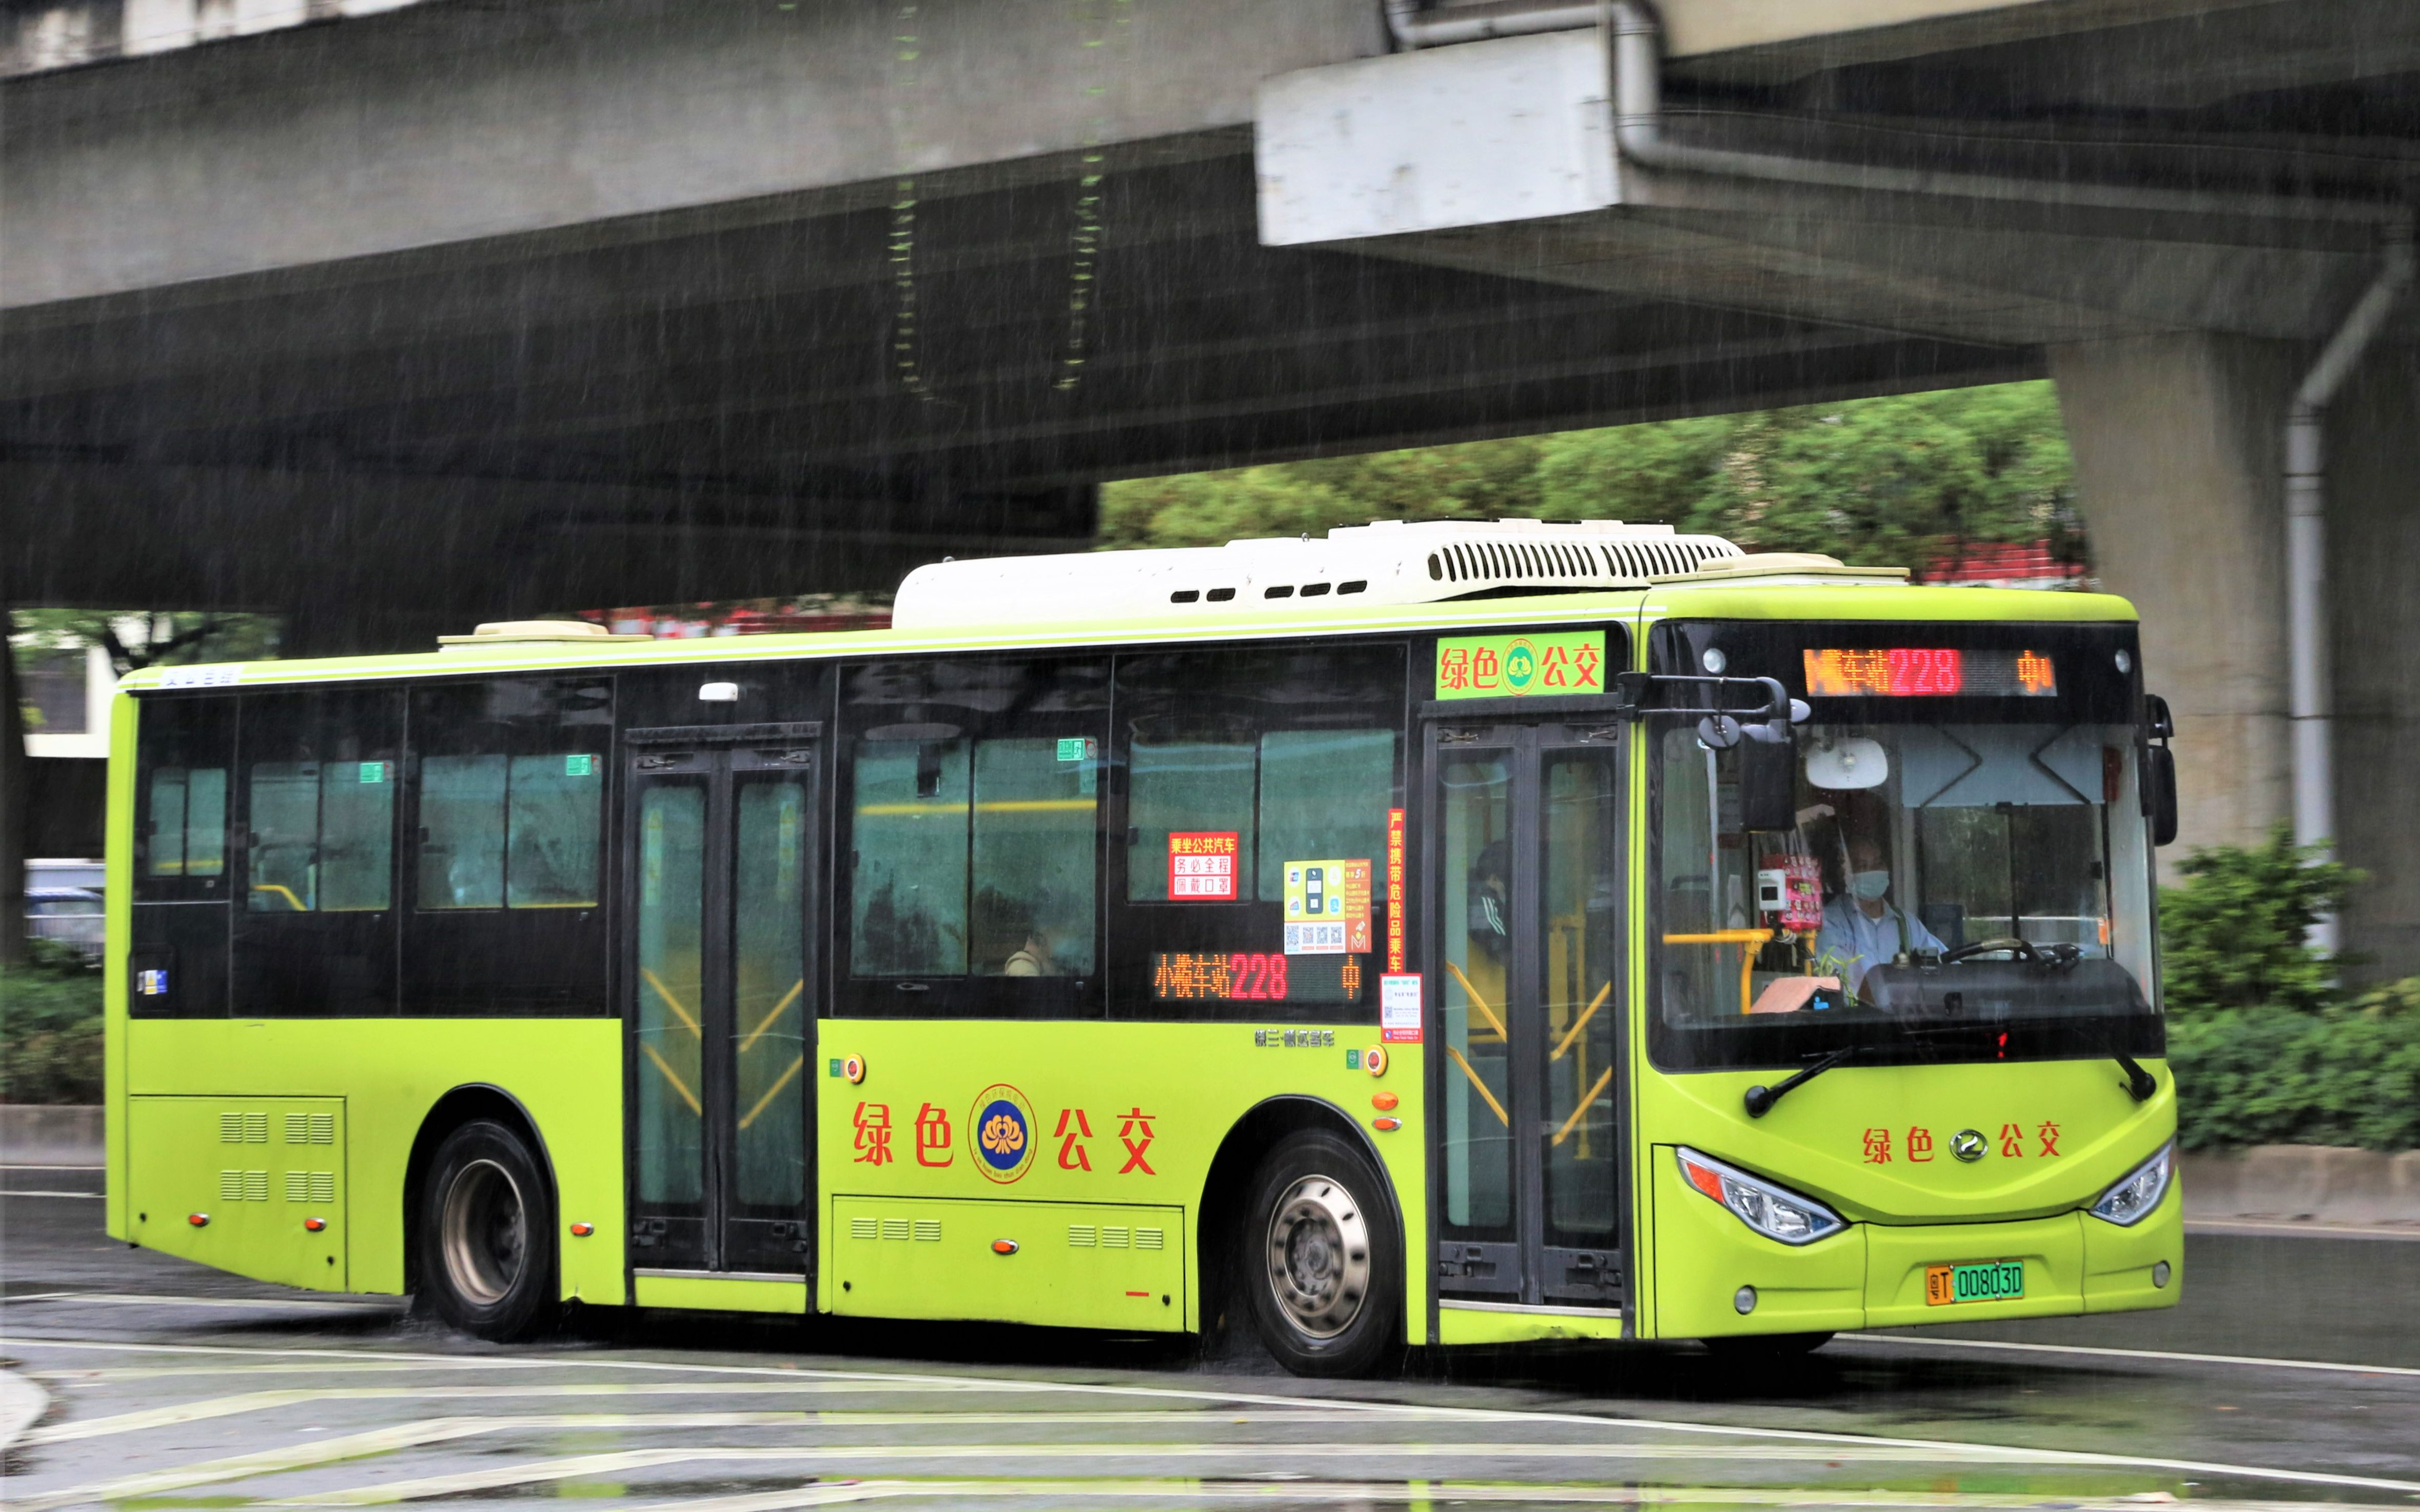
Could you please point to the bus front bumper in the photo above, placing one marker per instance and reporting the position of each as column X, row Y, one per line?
column 1873, row 1276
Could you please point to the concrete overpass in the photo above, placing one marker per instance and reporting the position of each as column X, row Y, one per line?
column 395, row 321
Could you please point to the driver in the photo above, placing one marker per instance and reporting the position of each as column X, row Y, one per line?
column 1862, row 928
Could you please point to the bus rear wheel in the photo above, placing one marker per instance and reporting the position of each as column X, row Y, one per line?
column 487, row 1234
column 1319, row 1261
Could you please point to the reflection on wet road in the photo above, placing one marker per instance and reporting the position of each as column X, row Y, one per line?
column 174, row 1387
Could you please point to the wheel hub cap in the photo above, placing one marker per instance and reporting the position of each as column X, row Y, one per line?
column 1319, row 1256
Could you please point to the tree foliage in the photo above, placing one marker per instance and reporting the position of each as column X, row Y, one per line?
column 51, row 1028
column 1895, row 481
column 2346, row 1074
column 163, row 639
column 2234, row 935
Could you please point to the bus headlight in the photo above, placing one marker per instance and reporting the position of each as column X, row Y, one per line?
column 1774, row 1211
column 2127, row 1203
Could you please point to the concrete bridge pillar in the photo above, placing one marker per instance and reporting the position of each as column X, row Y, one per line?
column 2179, row 465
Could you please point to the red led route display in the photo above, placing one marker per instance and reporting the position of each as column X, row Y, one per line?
column 1928, row 671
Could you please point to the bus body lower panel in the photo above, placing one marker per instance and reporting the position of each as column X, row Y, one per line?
column 234, row 1182
column 1061, row 1264
column 387, row 1075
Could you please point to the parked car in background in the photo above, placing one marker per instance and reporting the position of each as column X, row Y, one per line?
column 72, row 916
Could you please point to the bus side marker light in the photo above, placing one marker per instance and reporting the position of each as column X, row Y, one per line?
column 1387, row 1125
column 1373, row 1060
column 1384, row 1101
column 199, row 1220
column 852, row 1069
column 1004, row 1246
column 582, row 1230
column 315, row 1224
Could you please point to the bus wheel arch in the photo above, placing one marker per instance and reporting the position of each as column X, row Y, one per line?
column 1227, row 1196
column 470, row 1102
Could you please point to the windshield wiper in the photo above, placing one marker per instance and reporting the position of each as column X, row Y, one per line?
column 2139, row 1085
column 1760, row 1100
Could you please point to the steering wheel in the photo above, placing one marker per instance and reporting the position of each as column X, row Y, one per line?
column 2005, row 942
column 2054, row 956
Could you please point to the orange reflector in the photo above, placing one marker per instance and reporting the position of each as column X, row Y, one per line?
column 1704, row 1180
column 315, row 1224
column 582, row 1230
column 1384, row 1101
column 199, row 1220
column 1004, row 1246
column 1388, row 1125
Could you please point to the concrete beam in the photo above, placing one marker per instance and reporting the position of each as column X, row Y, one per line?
column 449, row 123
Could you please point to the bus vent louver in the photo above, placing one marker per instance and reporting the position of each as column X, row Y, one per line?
column 1385, row 563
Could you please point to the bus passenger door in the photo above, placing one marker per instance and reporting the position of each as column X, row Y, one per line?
column 1524, row 850
column 721, row 838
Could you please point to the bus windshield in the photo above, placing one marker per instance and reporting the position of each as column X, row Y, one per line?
column 1968, row 874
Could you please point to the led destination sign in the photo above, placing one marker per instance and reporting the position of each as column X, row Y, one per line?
column 1928, row 671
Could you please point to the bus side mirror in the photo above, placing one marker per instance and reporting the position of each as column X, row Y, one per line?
column 1768, row 781
column 2160, row 779
column 2159, row 771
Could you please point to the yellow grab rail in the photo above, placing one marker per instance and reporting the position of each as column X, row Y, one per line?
column 1748, row 938
column 1502, row 1117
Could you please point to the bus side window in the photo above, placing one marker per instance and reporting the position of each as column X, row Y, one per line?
column 908, row 882
column 184, row 746
column 508, row 804
column 1261, row 786
column 972, row 807
column 1324, row 792
column 315, row 932
column 1037, row 821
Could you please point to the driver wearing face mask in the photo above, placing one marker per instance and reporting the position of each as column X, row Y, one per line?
column 1862, row 928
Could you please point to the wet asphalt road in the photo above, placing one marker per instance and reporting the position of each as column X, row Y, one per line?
column 173, row 1386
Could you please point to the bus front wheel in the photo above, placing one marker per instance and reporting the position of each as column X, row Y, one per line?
column 1319, row 1258
column 487, row 1234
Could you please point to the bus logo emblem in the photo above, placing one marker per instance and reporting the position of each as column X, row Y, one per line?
column 1002, row 1126
column 1969, row 1145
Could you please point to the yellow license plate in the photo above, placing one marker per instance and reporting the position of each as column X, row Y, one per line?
column 1991, row 1281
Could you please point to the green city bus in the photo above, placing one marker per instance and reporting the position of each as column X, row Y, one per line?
column 1433, row 934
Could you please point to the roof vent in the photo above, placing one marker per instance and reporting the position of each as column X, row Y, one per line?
column 1389, row 562
column 1811, row 566
column 524, row 632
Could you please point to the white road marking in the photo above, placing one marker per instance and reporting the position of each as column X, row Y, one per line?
column 2111, row 1352
column 2254, row 1227
column 1374, row 1409
column 217, row 1407
column 89, row 1196
column 1416, row 1493
column 138, row 1299
column 619, row 1461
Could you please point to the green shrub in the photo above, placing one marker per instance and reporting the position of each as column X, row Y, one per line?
column 2233, row 936
column 2347, row 1074
column 49, row 1028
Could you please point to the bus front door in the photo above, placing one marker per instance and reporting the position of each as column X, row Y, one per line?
column 1524, row 830
column 721, row 1009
